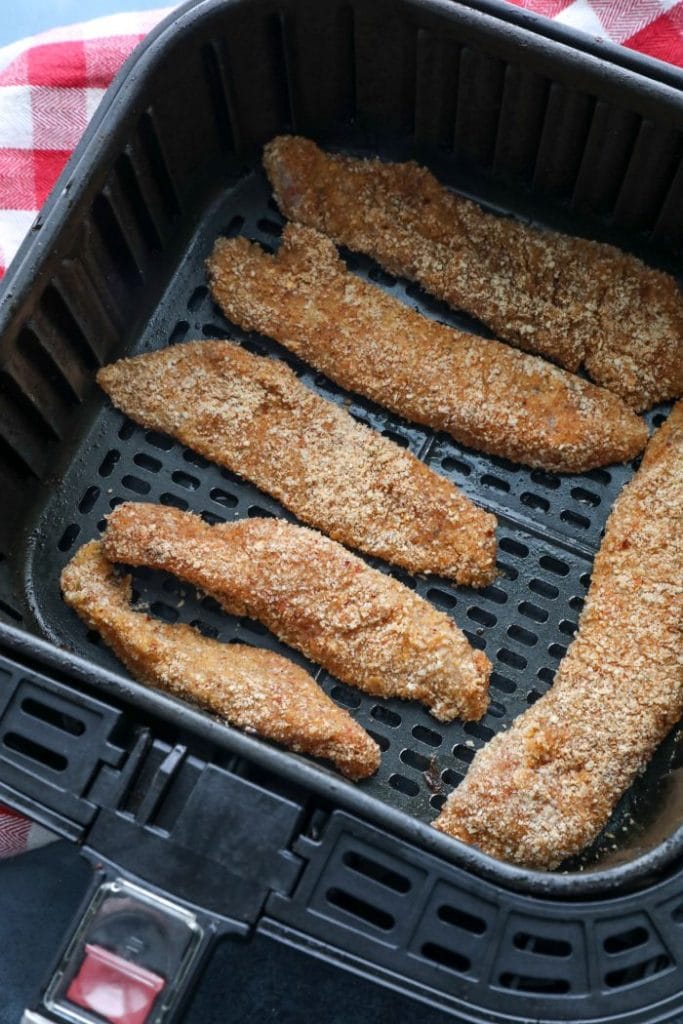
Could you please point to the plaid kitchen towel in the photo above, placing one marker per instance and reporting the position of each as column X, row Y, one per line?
column 51, row 84
column 654, row 27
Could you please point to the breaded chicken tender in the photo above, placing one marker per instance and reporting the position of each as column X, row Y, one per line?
column 366, row 628
column 254, row 416
column 255, row 690
column 485, row 394
column 538, row 793
column 581, row 303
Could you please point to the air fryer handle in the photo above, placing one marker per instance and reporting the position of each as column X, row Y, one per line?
column 133, row 956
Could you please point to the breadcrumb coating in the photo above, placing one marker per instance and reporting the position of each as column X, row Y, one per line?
column 254, row 416
column 581, row 303
column 538, row 793
column 365, row 628
column 485, row 394
column 255, row 690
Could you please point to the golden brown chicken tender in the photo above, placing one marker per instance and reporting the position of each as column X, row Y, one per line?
column 254, row 416
column 577, row 301
column 540, row 792
column 255, row 690
column 485, row 394
column 365, row 628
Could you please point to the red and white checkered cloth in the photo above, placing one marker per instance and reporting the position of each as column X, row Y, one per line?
column 654, row 27
column 50, row 86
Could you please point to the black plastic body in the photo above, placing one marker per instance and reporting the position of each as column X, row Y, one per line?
column 527, row 119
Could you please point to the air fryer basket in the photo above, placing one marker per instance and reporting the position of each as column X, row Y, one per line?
column 524, row 123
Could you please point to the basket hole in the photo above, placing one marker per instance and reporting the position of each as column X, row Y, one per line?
column 554, row 565
column 513, row 547
column 585, row 497
column 173, row 501
column 217, row 331
column 542, row 945
column 428, row 736
column 205, row 629
column 557, row 651
column 451, row 777
column 522, row 636
column 190, row 483
column 601, row 476
column 197, row 297
column 567, row 627
column 545, row 479
column 404, row 785
column 441, row 599
column 224, row 498
column 495, row 483
column 534, row 501
column 417, row 761
column 533, row 612
column 494, row 594
column 147, row 462
column 461, row 919
column 546, row 675
column 452, row 465
column 502, row 683
column 195, row 459
column 527, row 983
column 380, row 277
column 35, row 751
column 269, row 227
column 179, row 332
column 211, row 518
column 399, row 439
column 476, row 641
column 257, row 511
column 59, row 719
column 251, row 626
column 386, row 716
column 161, row 441
column 65, row 542
column 127, row 429
column 576, row 603
column 464, row 753
column 447, row 958
column 544, row 589
column 343, row 695
column 88, row 500
column 135, row 484
column 377, row 872
column 532, row 696
column 361, row 909
column 574, row 519
column 381, row 741
column 108, row 463
column 621, row 941
column 506, row 570
column 482, row 732
column 481, row 616
column 637, row 972
column 512, row 659
column 234, row 227
column 164, row 611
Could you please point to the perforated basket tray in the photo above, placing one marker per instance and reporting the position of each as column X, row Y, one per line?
column 524, row 125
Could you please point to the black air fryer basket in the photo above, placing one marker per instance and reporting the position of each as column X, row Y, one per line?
column 531, row 121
